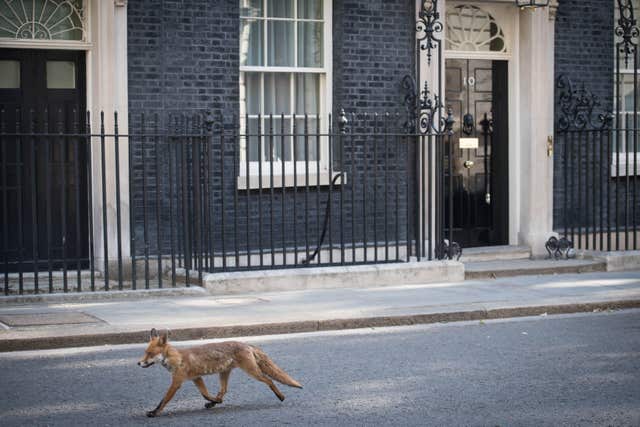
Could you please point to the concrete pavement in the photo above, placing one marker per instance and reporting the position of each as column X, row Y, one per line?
column 119, row 321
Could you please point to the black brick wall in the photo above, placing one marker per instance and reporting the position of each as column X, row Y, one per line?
column 585, row 194
column 183, row 58
column 584, row 45
column 373, row 50
column 183, row 55
column 584, row 53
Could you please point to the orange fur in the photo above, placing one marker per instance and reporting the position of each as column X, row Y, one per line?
column 193, row 363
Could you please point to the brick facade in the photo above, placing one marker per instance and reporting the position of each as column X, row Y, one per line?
column 183, row 58
column 584, row 51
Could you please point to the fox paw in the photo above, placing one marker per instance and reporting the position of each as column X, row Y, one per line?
column 151, row 414
column 210, row 405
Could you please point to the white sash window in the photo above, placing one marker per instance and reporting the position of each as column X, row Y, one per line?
column 285, row 63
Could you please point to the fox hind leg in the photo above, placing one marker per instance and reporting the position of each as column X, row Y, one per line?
column 250, row 366
column 224, row 381
column 211, row 401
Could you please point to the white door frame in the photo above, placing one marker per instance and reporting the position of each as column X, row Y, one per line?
column 507, row 17
column 105, row 46
column 529, row 36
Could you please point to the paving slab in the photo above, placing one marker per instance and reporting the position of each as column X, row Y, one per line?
column 46, row 318
column 521, row 267
column 60, row 324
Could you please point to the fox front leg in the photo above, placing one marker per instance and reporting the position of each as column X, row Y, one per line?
column 175, row 385
column 211, row 401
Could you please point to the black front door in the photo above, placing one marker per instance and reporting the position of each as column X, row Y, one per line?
column 43, row 180
column 477, row 92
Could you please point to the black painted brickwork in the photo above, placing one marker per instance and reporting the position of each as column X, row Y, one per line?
column 373, row 49
column 585, row 53
column 183, row 58
column 183, row 55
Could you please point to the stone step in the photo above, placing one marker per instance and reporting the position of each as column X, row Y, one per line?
column 495, row 253
column 354, row 276
column 495, row 269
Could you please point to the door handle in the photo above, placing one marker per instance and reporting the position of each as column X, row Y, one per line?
column 468, row 164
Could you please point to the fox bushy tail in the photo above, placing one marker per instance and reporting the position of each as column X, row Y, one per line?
column 269, row 368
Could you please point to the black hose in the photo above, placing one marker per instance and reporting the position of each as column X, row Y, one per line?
column 327, row 214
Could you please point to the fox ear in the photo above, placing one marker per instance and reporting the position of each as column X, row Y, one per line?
column 154, row 334
column 164, row 337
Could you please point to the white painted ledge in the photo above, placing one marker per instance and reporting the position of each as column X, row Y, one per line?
column 362, row 276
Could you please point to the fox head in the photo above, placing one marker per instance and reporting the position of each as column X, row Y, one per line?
column 155, row 350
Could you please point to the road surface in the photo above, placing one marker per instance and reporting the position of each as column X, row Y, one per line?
column 550, row 370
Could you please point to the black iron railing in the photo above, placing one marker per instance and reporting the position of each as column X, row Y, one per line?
column 155, row 201
column 596, row 175
column 597, row 187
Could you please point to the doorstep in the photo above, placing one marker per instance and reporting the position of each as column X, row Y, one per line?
column 495, row 253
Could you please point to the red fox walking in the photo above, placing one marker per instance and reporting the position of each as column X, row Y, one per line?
column 191, row 364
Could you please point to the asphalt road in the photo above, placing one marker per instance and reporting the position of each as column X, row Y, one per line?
column 555, row 370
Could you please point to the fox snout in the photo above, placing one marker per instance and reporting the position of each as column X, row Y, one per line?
column 145, row 364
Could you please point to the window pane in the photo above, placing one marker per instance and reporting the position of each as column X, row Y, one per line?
column 280, row 44
column 7, row 28
column 252, row 136
column 306, row 145
column 61, row 75
column 282, row 140
column 470, row 28
column 251, row 8
column 628, row 98
column 277, row 93
column 627, row 112
column 280, row 8
column 310, row 44
column 307, row 93
column 251, row 42
column 250, row 92
column 9, row 74
column 310, row 9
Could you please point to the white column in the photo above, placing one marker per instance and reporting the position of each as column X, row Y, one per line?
column 107, row 92
column 431, row 72
column 536, row 54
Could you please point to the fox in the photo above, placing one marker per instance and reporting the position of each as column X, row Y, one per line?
column 191, row 364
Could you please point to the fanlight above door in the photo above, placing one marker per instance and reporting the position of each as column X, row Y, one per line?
column 42, row 19
column 471, row 29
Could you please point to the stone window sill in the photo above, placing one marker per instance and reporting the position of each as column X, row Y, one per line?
column 625, row 169
column 299, row 180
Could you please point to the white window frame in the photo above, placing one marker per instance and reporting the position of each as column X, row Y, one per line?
column 253, row 181
column 619, row 151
